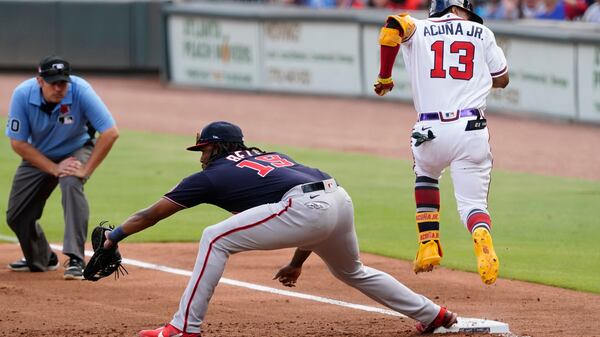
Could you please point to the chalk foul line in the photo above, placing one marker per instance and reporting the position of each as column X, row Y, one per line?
column 236, row 283
column 465, row 325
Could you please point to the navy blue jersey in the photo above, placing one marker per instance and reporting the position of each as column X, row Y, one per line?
column 242, row 180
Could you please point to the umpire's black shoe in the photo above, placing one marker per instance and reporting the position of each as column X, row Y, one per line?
column 74, row 269
column 21, row 265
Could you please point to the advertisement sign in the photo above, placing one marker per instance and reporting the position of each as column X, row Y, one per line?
column 213, row 52
column 311, row 57
column 589, row 82
column 371, row 55
column 560, row 79
column 542, row 78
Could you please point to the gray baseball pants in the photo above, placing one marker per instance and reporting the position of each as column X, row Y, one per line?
column 322, row 222
column 30, row 189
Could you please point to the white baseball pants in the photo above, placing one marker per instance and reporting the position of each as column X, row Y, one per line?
column 468, row 155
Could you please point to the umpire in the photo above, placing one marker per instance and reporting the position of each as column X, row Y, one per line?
column 51, row 124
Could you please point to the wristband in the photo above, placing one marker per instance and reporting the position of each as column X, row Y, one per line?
column 385, row 80
column 117, row 234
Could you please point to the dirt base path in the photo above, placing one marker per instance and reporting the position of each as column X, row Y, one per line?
column 45, row 305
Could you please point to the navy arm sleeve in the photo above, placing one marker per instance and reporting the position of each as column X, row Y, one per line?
column 193, row 190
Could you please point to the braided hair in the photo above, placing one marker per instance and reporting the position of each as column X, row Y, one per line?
column 222, row 149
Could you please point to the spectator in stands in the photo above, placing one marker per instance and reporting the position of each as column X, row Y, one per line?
column 396, row 4
column 575, row 8
column 592, row 14
column 553, row 10
column 356, row 4
column 285, row 2
column 318, row 3
column 531, row 9
column 499, row 10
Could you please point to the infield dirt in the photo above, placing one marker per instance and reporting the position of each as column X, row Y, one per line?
column 45, row 305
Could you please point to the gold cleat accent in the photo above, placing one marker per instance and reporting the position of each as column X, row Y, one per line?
column 487, row 260
column 428, row 256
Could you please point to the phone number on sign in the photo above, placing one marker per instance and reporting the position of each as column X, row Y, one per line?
column 288, row 76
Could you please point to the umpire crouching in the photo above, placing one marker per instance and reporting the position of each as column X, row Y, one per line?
column 49, row 123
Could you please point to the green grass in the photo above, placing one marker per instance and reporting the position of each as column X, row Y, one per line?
column 545, row 228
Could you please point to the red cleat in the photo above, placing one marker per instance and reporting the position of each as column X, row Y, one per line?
column 167, row 331
column 445, row 318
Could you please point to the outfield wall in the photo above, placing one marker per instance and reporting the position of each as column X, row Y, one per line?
column 105, row 35
column 554, row 67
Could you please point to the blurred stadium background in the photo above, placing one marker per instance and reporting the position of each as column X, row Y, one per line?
column 553, row 46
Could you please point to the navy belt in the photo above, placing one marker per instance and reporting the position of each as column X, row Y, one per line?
column 313, row 187
column 449, row 116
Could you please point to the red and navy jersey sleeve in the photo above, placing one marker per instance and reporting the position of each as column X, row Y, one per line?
column 191, row 191
column 242, row 180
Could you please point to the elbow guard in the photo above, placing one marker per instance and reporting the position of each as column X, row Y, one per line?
column 389, row 37
column 404, row 24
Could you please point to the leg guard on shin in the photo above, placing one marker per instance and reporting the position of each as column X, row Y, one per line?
column 430, row 253
column 427, row 198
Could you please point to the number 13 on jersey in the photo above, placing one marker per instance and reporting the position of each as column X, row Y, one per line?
column 466, row 51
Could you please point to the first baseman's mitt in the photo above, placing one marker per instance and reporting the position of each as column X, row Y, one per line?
column 104, row 262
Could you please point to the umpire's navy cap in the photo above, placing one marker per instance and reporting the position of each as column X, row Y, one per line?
column 220, row 131
column 54, row 68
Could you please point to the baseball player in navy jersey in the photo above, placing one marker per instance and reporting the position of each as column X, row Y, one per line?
column 277, row 203
column 453, row 61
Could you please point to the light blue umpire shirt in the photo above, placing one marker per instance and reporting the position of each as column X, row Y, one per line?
column 64, row 130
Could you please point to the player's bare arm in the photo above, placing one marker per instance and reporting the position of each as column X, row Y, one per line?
column 35, row 157
column 143, row 219
column 500, row 81
column 103, row 145
column 289, row 274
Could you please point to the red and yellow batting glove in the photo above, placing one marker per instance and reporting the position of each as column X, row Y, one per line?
column 383, row 85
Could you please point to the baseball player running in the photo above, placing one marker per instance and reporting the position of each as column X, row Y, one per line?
column 277, row 203
column 453, row 61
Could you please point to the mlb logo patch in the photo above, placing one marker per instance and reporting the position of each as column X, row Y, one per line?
column 68, row 119
column 447, row 116
column 65, row 117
